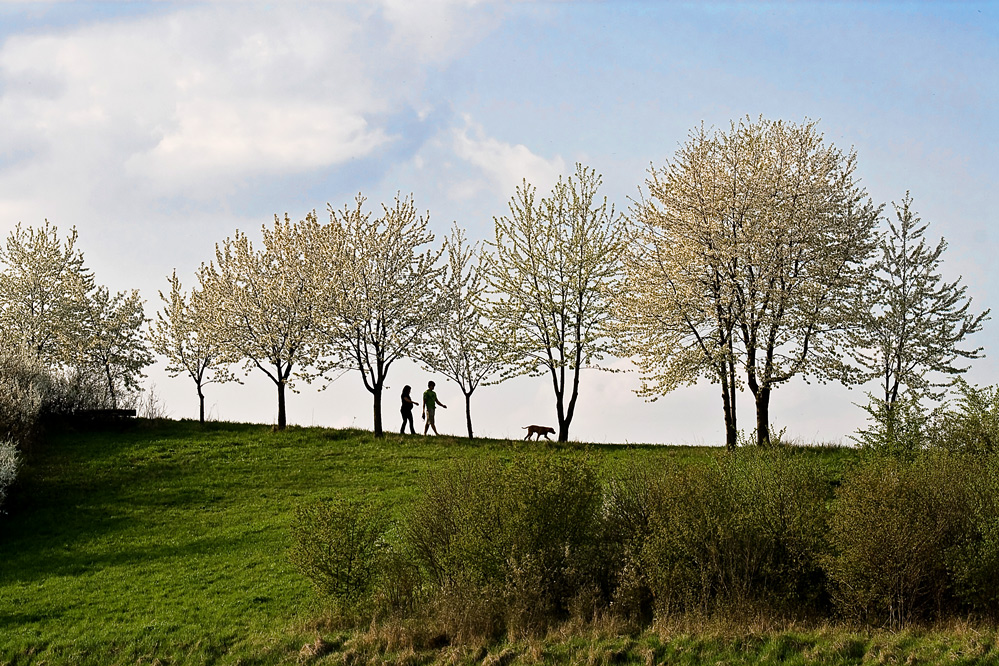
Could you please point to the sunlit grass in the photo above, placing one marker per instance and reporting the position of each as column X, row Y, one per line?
column 166, row 542
column 169, row 540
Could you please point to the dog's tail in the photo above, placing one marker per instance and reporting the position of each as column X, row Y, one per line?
column 525, row 427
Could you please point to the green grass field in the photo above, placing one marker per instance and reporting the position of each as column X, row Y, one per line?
column 166, row 543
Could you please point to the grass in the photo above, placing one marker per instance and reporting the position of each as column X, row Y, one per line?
column 169, row 540
column 166, row 543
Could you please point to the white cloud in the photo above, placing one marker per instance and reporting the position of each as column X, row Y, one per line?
column 436, row 30
column 505, row 165
column 187, row 103
column 212, row 137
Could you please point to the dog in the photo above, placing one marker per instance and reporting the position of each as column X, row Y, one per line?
column 538, row 431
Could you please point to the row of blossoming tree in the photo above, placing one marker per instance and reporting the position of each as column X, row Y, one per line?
column 752, row 257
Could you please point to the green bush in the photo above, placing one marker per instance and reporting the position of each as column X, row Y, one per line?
column 632, row 498
column 337, row 545
column 893, row 529
column 745, row 530
column 900, row 429
column 971, row 423
column 10, row 460
column 974, row 561
column 521, row 536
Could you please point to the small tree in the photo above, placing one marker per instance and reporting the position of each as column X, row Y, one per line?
column 180, row 334
column 115, row 347
column 555, row 267
column 377, row 290
column 459, row 346
column 911, row 341
column 259, row 306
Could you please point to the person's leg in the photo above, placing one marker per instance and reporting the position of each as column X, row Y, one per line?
column 426, row 423
column 402, row 430
column 412, row 427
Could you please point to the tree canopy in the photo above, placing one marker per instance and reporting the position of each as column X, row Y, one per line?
column 554, row 266
column 378, row 290
column 914, row 321
column 770, row 233
column 259, row 306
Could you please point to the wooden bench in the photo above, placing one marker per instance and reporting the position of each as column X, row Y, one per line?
column 104, row 414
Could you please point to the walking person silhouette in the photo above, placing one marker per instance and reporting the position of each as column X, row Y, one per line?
column 407, row 410
column 430, row 402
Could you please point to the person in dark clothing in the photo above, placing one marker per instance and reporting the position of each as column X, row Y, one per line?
column 407, row 411
column 430, row 402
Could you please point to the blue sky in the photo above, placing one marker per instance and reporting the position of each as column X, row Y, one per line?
column 157, row 129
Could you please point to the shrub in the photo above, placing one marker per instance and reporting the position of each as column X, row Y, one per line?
column 24, row 384
column 521, row 536
column 743, row 530
column 974, row 561
column 71, row 390
column 972, row 423
column 899, row 429
column 10, row 460
column 337, row 543
column 631, row 499
column 893, row 525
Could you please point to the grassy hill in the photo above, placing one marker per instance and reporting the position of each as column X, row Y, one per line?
column 166, row 542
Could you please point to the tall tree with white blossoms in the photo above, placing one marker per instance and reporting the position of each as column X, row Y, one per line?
column 780, row 221
column 379, row 301
column 259, row 305
column 115, row 346
column 678, row 312
column 43, row 293
column 554, row 269
column 459, row 345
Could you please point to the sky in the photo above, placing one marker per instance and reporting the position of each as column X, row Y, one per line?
column 158, row 129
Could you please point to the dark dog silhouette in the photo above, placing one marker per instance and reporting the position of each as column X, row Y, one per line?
column 538, row 431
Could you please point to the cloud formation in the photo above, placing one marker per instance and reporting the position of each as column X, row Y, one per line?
column 189, row 103
column 505, row 165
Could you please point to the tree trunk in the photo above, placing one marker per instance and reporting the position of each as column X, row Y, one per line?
column 728, row 404
column 282, row 417
column 111, row 391
column 763, row 416
column 201, row 405
column 563, row 425
column 468, row 413
column 571, row 410
column 377, row 406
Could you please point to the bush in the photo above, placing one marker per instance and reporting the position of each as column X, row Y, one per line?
column 337, row 543
column 972, row 424
column 745, row 530
column 24, row 384
column 521, row 537
column 974, row 562
column 32, row 394
column 899, row 429
column 10, row 460
column 893, row 528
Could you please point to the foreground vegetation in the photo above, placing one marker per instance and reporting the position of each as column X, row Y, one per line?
column 166, row 542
